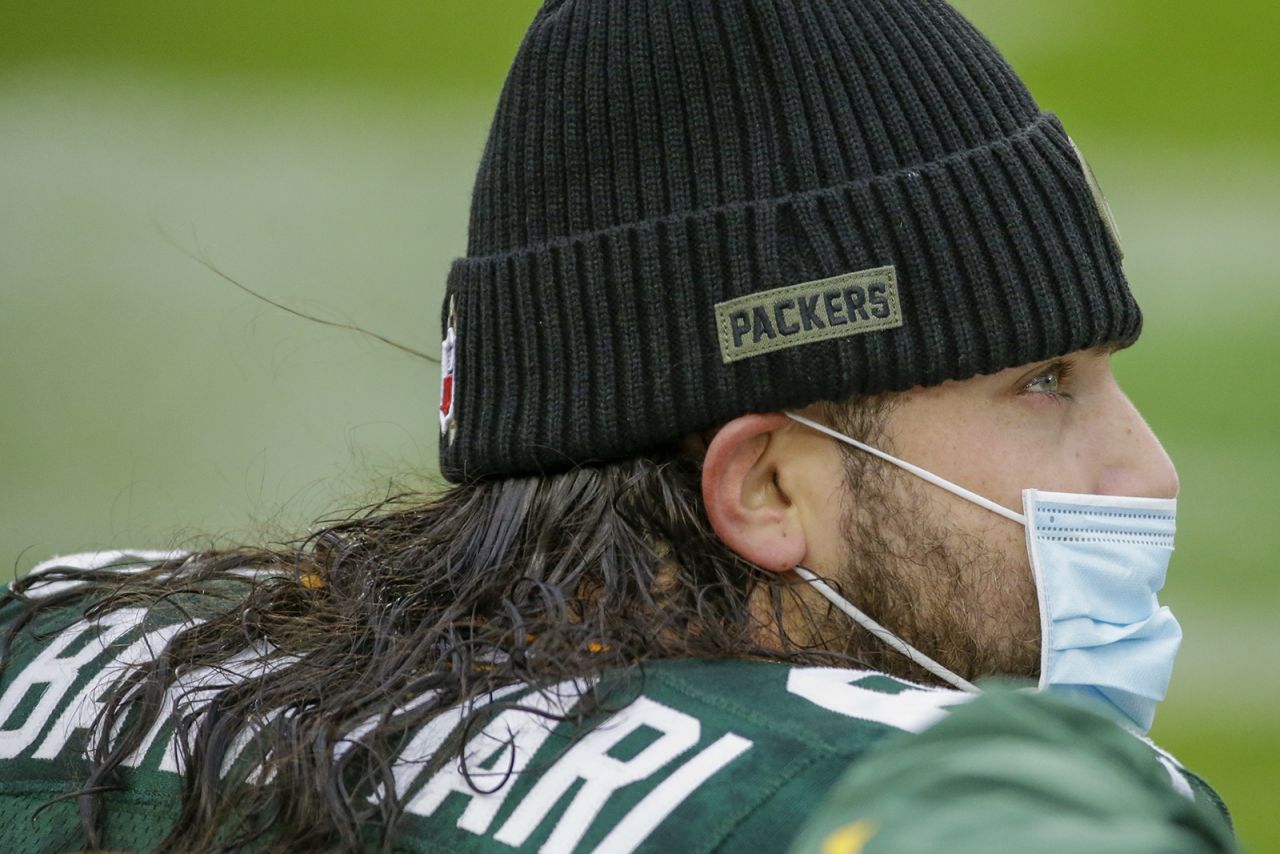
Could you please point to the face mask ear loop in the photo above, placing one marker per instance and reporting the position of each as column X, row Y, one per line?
column 887, row 637
column 1029, row 499
column 916, row 470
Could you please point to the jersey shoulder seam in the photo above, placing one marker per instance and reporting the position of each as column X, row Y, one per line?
column 106, row 558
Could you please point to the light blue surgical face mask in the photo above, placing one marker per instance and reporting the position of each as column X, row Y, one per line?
column 1098, row 561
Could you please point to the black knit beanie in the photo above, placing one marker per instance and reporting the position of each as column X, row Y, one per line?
column 688, row 210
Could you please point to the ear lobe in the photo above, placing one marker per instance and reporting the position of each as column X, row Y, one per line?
column 747, row 508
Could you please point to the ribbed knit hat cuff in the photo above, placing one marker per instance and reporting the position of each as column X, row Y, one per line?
column 605, row 344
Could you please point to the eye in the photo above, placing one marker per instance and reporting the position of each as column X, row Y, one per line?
column 1050, row 382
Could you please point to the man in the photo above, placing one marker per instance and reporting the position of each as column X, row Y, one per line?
column 776, row 382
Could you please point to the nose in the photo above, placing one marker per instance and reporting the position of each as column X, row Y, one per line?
column 1137, row 463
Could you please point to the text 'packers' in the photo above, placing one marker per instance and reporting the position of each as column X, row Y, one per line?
column 848, row 304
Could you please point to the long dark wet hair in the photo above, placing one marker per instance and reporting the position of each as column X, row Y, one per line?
column 528, row 580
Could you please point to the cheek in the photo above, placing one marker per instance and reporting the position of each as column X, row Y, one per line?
column 996, row 588
column 997, row 448
column 1000, row 543
column 972, row 446
column 998, row 463
column 989, row 549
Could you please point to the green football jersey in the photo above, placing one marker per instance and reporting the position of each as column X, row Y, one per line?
column 703, row 755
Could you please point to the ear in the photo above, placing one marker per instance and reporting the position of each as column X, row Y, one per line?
column 746, row 505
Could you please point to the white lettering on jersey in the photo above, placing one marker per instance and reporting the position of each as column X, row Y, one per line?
column 637, row 824
column 422, row 747
column 185, row 693
column 240, row 742
column 407, row 765
column 351, row 739
column 589, row 760
column 244, row 665
column 507, row 743
column 57, row 673
column 1170, row 763
column 81, row 711
column 1179, row 783
column 912, row 709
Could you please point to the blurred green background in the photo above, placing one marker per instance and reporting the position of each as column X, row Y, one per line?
column 322, row 153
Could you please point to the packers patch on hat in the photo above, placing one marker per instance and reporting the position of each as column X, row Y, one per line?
column 843, row 305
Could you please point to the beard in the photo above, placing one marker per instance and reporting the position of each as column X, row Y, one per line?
column 963, row 597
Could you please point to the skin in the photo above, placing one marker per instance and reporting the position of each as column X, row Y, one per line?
column 947, row 575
